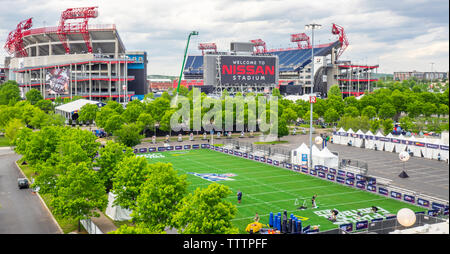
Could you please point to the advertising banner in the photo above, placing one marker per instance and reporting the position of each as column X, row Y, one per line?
column 250, row 156
column 187, row 146
column 350, row 175
column 230, row 151
column 423, row 202
column 248, row 70
column 396, row 195
column 409, row 198
column 330, row 177
column 178, row 147
column 325, row 169
column 341, row 172
column 135, row 150
column 321, row 174
column 256, row 158
column 346, row 227
column 350, row 181
column 340, row 179
column 361, row 184
column 220, row 149
column 313, row 172
column 360, row 225
column 142, row 150
column 359, row 177
column 432, row 146
column 262, row 159
column 372, row 181
column 371, row 188
column 437, row 206
column 161, row 149
column 296, row 167
column 444, row 148
column 276, row 163
column 169, row 148
column 195, row 146
column 421, row 144
column 225, row 150
column 305, row 170
column 269, row 161
column 58, row 81
column 383, row 191
column 152, row 149
column 245, row 155
column 332, row 171
column 288, row 165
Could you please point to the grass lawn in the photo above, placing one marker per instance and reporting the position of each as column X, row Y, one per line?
column 4, row 141
column 267, row 188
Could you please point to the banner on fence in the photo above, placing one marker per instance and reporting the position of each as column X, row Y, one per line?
column 371, row 188
column 142, row 150
column 332, row 171
column 161, row 149
column 330, row 177
column 169, row 148
column 396, row 195
column 360, row 225
column 383, row 191
column 409, row 198
column 361, row 184
column 346, row 227
column 341, row 172
column 350, row 181
column 313, row 172
column 340, row 179
column 321, row 174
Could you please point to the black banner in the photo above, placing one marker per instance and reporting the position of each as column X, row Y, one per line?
column 248, row 70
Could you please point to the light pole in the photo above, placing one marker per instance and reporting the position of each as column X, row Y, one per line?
column 312, row 27
column 184, row 59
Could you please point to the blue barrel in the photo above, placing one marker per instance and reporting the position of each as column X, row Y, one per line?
column 271, row 219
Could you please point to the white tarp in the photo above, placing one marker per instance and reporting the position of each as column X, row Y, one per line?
column 359, row 141
column 337, row 136
column 350, row 137
column 444, row 138
column 400, row 147
column 437, row 151
column 388, row 145
column 317, row 158
column 296, row 155
column 329, row 159
column 378, row 144
column 343, row 139
column 116, row 213
column 369, row 143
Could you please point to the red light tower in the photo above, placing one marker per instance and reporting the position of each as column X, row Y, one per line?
column 14, row 42
column 339, row 30
column 299, row 38
column 207, row 46
column 257, row 44
column 76, row 28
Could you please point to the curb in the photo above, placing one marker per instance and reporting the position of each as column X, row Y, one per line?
column 42, row 201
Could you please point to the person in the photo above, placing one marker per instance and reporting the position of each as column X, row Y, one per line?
column 239, row 196
column 334, row 213
column 313, row 201
column 256, row 219
column 374, row 209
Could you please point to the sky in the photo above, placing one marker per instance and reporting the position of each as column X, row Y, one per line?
column 399, row 35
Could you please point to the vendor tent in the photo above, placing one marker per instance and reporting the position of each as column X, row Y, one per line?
column 115, row 212
column 379, row 144
column 388, row 145
column 351, row 137
column 337, row 136
column 329, row 159
column 413, row 147
column 359, row 140
column 344, row 136
column 370, row 140
column 299, row 153
column 435, row 149
column 401, row 145
column 317, row 158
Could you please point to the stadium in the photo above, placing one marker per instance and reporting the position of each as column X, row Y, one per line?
column 75, row 58
column 294, row 66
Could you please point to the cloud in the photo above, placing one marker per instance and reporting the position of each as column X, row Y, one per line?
column 404, row 34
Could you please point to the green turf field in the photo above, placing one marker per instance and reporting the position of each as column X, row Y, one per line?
column 268, row 189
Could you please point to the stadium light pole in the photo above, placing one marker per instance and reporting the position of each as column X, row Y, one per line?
column 184, row 59
column 312, row 27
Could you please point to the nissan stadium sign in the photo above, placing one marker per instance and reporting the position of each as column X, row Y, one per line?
column 248, row 70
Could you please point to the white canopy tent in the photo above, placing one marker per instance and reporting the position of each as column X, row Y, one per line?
column 388, row 145
column 444, row 138
column 359, row 141
column 116, row 213
column 350, row 137
column 413, row 148
column 337, row 136
column 378, row 144
column 296, row 154
column 436, row 151
column 329, row 159
column 344, row 136
column 317, row 158
column 369, row 144
column 400, row 147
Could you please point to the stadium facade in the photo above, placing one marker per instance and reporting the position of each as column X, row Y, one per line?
column 75, row 59
column 294, row 66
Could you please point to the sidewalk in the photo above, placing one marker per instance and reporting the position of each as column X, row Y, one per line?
column 103, row 223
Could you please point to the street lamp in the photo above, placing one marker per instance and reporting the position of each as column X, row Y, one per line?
column 312, row 27
column 184, row 60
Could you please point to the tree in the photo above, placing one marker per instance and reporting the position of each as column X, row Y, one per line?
column 335, row 91
column 132, row 112
column 12, row 128
column 159, row 197
column 33, row 96
column 114, row 123
column 442, row 110
column 9, row 93
column 45, row 105
column 429, row 109
column 351, row 111
column 137, row 229
column 283, row 129
column 331, row 116
column 127, row 182
column 129, row 134
column 79, row 192
column 88, row 113
column 414, row 109
column 369, row 111
column 206, row 212
column 388, row 126
column 386, row 111
column 289, row 115
column 109, row 157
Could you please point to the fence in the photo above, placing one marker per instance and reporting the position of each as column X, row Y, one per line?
column 282, row 154
column 90, row 227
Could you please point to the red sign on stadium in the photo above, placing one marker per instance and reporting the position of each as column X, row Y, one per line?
column 248, row 70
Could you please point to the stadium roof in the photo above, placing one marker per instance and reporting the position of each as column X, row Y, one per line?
column 75, row 105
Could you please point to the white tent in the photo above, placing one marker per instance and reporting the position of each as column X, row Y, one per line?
column 400, row 147
column 444, row 138
column 296, row 154
column 369, row 144
column 413, row 148
column 344, row 136
column 437, row 150
column 116, row 213
column 337, row 136
column 317, row 158
column 329, row 159
column 388, row 145
column 378, row 144
column 350, row 137
column 359, row 141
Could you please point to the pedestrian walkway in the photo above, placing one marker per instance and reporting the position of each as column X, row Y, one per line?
column 104, row 223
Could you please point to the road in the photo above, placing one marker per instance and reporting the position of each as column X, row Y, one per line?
column 21, row 211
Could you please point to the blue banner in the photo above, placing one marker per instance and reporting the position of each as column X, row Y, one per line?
column 376, row 219
column 432, row 146
column 230, row 151
column 341, row 172
column 225, row 150
column 361, row 184
column 383, row 191
column 262, row 159
column 423, row 202
column 317, row 167
column 276, row 163
column 250, row 156
column 187, row 146
column 305, row 169
column 350, row 181
column 372, row 181
column 409, row 198
column 312, row 172
column 360, row 225
column 396, row 195
column 161, row 149
column 321, row 174
column 437, row 206
column 350, row 175
column 296, row 167
column 236, row 153
column 330, row 177
column 135, row 151
column 346, row 227
column 245, row 155
column 195, row 146
column 178, row 147
column 359, row 177
column 269, row 161
column 205, row 145
column 332, row 171
column 433, row 213
column 325, row 169
column 371, row 188
column 221, row 149
column 169, row 148
column 444, row 148
column 151, row 149
column 288, row 165
column 340, row 179
column 142, row 150
column 256, row 158
column 304, row 157
column 217, row 148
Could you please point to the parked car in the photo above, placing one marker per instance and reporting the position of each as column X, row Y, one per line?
column 23, row 183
